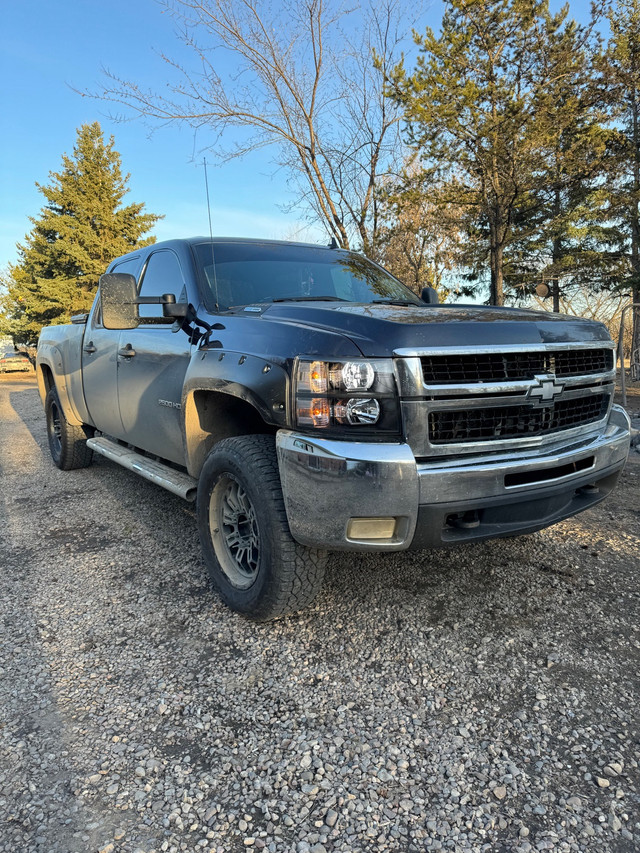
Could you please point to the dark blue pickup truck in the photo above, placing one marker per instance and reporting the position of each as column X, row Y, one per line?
column 311, row 402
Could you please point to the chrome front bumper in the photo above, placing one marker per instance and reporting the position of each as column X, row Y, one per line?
column 328, row 483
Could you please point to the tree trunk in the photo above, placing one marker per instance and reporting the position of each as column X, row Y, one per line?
column 497, row 290
column 556, row 252
column 635, row 228
column 499, row 294
column 496, row 260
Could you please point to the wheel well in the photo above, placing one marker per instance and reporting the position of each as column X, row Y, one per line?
column 44, row 377
column 47, row 378
column 211, row 416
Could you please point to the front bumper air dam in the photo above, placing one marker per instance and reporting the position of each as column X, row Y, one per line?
column 326, row 483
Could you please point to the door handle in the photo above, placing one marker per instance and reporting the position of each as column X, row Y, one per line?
column 127, row 351
column 89, row 348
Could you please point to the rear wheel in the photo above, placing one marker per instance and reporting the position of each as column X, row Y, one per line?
column 253, row 561
column 67, row 442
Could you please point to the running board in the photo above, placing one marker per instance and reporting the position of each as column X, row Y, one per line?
column 179, row 483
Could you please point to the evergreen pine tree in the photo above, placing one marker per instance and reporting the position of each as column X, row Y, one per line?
column 470, row 106
column 83, row 226
column 622, row 70
column 565, row 237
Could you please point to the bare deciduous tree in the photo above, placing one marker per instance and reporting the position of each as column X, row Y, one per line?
column 300, row 83
column 420, row 234
column 583, row 301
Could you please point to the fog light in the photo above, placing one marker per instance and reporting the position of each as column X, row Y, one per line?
column 371, row 528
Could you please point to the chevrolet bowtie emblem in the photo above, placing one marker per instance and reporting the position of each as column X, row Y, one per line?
column 545, row 389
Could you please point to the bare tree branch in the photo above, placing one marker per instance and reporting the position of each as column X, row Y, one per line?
column 299, row 83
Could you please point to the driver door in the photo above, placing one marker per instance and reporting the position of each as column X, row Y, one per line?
column 152, row 363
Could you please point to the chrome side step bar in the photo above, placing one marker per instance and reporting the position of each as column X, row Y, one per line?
column 179, row 483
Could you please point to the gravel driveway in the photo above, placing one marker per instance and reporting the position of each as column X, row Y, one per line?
column 479, row 699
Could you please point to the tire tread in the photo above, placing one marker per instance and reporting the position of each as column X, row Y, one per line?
column 74, row 452
column 301, row 569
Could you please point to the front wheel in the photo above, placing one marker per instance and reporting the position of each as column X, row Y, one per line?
column 253, row 561
column 67, row 442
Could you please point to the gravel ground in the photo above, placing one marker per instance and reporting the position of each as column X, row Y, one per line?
column 479, row 699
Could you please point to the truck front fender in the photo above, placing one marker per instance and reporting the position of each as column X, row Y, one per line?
column 227, row 394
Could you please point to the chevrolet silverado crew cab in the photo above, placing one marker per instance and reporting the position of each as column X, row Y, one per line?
column 310, row 402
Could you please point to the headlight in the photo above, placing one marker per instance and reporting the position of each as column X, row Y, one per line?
column 358, row 411
column 357, row 375
column 341, row 395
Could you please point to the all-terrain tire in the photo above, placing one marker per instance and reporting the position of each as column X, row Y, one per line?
column 67, row 442
column 253, row 561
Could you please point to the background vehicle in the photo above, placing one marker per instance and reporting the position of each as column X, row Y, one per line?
column 11, row 362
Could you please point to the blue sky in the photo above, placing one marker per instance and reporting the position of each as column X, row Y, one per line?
column 49, row 48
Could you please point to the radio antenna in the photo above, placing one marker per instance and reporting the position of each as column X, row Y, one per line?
column 213, row 262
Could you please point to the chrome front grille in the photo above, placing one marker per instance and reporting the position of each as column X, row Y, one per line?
column 453, row 426
column 488, row 399
column 497, row 367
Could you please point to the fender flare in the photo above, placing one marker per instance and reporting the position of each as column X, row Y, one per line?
column 249, row 387
column 49, row 356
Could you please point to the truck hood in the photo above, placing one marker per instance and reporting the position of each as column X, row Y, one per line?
column 382, row 330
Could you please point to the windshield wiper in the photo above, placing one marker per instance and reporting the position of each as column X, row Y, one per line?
column 396, row 302
column 309, row 299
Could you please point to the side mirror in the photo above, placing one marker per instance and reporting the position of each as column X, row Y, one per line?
column 118, row 301
column 430, row 296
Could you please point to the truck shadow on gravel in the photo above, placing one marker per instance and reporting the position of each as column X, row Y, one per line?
column 22, row 400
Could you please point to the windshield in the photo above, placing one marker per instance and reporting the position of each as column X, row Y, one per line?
column 245, row 273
